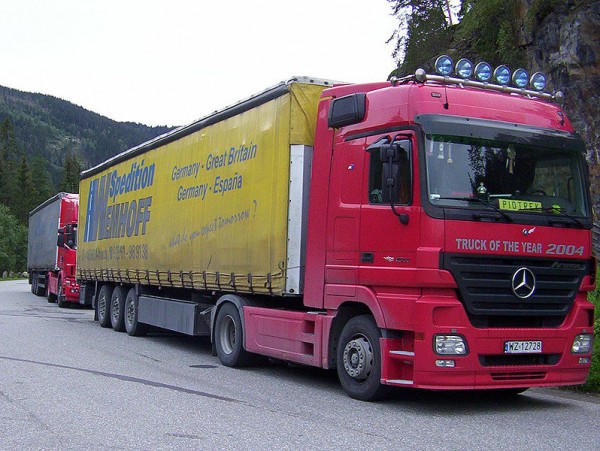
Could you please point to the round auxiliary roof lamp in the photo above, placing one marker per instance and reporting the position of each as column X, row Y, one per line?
column 443, row 65
column 464, row 68
column 502, row 75
column 538, row 81
column 483, row 72
column 520, row 78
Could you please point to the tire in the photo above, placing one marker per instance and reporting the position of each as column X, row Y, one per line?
column 60, row 297
column 229, row 337
column 130, row 316
column 509, row 392
column 117, row 308
column 38, row 291
column 33, row 283
column 103, row 305
column 359, row 359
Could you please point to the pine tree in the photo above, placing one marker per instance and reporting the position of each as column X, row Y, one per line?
column 41, row 179
column 8, row 158
column 26, row 194
column 13, row 242
column 425, row 31
column 71, row 170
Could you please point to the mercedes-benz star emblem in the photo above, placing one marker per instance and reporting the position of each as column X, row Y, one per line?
column 523, row 283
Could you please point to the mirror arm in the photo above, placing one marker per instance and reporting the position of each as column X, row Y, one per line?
column 403, row 217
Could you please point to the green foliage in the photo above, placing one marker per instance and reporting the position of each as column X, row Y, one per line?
column 52, row 128
column 44, row 143
column 593, row 382
column 72, row 169
column 491, row 30
column 26, row 193
column 423, row 32
column 41, row 179
column 13, row 240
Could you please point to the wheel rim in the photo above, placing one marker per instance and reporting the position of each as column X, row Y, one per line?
column 227, row 335
column 115, row 308
column 102, row 305
column 130, row 313
column 358, row 358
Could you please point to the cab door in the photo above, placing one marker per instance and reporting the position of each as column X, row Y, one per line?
column 390, row 220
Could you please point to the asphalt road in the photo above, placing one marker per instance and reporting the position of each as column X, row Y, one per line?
column 66, row 383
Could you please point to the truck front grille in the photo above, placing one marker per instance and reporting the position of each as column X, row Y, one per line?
column 486, row 289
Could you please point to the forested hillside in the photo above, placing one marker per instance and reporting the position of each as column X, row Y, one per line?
column 44, row 144
column 51, row 128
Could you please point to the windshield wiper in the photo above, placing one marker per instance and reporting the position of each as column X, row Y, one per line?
column 555, row 211
column 481, row 201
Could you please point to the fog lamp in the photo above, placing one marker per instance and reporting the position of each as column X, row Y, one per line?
column 520, row 78
column 445, row 363
column 582, row 344
column 443, row 65
column 502, row 75
column 464, row 68
column 450, row 345
column 538, row 81
column 483, row 72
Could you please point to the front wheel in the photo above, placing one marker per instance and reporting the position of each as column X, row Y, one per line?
column 60, row 297
column 229, row 337
column 359, row 359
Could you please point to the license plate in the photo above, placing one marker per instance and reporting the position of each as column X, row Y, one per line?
column 522, row 347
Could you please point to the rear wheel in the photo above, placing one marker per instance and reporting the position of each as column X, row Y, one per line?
column 38, row 291
column 229, row 337
column 359, row 359
column 132, row 325
column 117, row 307
column 103, row 305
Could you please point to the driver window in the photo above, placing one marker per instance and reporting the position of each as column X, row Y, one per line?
column 377, row 183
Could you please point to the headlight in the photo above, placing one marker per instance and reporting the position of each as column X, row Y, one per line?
column 450, row 345
column 582, row 344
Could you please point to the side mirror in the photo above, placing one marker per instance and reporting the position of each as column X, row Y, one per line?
column 347, row 110
column 61, row 238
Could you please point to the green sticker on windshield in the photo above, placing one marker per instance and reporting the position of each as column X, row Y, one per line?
column 517, row 205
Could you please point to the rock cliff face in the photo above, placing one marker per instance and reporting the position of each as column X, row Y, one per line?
column 565, row 44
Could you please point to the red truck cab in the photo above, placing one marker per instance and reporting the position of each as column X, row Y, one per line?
column 459, row 218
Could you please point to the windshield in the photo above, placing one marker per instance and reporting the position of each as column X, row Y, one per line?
column 465, row 172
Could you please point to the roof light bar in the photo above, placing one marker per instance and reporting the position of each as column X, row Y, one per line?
column 500, row 78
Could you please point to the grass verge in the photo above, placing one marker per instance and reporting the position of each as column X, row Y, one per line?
column 593, row 382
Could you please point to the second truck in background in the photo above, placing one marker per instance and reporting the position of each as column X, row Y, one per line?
column 52, row 249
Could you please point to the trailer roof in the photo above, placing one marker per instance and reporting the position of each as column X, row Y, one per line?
column 253, row 101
